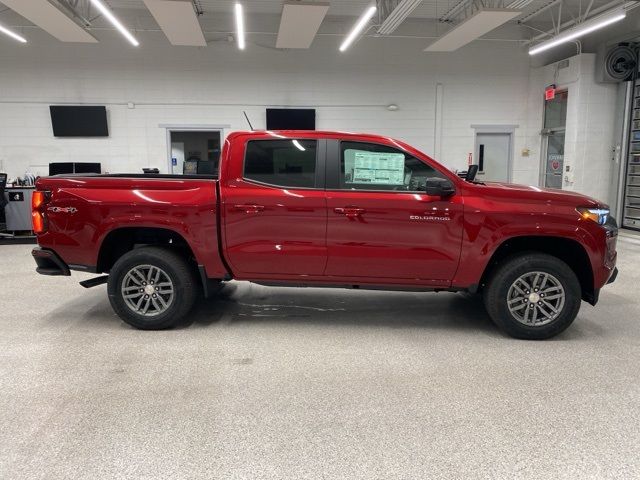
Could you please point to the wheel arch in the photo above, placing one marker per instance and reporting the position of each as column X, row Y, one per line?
column 568, row 250
column 124, row 239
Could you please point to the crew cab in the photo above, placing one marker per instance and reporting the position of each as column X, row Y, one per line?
column 309, row 208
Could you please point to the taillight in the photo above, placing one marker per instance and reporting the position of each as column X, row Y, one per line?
column 38, row 215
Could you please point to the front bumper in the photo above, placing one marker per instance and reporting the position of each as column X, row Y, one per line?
column 49, row 263
column 613, row 276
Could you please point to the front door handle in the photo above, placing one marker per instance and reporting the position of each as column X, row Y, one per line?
column 350, row 212
column 249, row 208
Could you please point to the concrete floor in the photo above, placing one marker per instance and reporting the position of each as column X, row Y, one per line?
column 309, row 383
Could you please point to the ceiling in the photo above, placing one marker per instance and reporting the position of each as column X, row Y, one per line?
column 264, row 17
column 428, row 9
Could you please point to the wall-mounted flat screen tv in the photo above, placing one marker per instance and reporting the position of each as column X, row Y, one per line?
column 87, row 167
column 291, row 119
column 60, row 168
column 79, row 121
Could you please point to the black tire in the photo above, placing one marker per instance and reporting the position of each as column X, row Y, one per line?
column 175, row 267
column 497, row 290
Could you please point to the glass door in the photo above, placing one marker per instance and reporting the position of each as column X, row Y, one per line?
column 553, row 134
column 554, row 159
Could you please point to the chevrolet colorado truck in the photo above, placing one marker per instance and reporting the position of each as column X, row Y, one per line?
column 309, row 208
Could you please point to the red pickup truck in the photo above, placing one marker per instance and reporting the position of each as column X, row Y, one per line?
column 303, row 208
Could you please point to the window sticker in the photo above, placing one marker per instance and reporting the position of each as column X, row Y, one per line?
column 375, row 168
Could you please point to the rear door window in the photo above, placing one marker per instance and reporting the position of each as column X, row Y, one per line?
column 283, row 163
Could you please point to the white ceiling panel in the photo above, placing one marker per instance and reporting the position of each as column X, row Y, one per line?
column 299, row 23
column 51, row 19
column 477, row 25
column 178, row 21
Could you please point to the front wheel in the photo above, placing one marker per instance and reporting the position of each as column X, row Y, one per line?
column 533, row 296
column 152, row 288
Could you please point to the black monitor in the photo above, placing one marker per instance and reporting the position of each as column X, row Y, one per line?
column 64, row 168
column 59, row 168
column 79, row 121
column 87, row 168
column 291, row 119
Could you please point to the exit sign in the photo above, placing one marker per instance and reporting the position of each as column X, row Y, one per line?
column 550, row 92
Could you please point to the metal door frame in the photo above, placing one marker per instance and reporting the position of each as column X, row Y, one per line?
column 190, row 128
column 497, row 129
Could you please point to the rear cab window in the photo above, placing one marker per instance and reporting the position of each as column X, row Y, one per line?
column 289, row 163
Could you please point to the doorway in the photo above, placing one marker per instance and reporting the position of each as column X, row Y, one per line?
column 493, row 154
column 194, row 152
column 553, row 136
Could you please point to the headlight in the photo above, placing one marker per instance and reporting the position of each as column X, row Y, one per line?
column 598, row 215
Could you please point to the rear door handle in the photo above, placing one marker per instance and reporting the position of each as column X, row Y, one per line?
column 350, row 212
column 249, row 208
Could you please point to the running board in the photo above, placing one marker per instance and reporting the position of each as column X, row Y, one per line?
column 94, row 282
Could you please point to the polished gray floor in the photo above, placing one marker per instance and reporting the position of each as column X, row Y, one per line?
column 308, row 383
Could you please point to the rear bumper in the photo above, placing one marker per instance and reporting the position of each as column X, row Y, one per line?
column 49, row 263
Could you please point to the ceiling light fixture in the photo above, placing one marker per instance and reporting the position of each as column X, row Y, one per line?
column 472, row 28
column 398, row 15
column 588, row 26
column 13, row 35
column 104, row 10
column 358, row 27
column 240, row 26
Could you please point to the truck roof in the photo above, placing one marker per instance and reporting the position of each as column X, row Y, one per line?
column 305, row 133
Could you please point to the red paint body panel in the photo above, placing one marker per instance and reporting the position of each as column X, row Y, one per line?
column 497, row 212
column 103, row 204
column 269, row 233
column 286, row 237
column 383, row 242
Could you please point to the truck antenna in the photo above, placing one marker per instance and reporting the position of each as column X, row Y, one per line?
column 248, row 121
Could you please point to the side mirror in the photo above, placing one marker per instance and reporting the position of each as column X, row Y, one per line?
column 439, row 187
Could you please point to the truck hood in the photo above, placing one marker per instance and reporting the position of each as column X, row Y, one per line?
column 541, row 194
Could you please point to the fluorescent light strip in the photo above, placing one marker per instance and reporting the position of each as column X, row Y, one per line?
column 398, row 15
column 13, row 35
column 104, row 10
column 362, row 22
column 240, row 26
column 584, row 28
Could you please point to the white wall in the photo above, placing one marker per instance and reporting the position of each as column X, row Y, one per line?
column 484, row 83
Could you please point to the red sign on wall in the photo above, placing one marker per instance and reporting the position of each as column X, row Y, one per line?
column 550, row 92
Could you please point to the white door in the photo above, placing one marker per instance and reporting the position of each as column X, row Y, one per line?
column 177, row 158
column 493, row 154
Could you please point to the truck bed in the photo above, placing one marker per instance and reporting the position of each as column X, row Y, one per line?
column 85, row 209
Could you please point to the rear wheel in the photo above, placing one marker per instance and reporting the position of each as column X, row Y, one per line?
column 533, row 296
column 152, row 288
